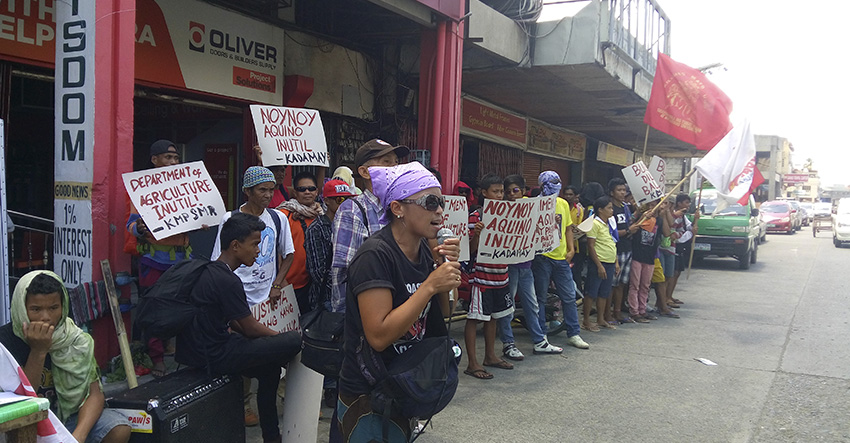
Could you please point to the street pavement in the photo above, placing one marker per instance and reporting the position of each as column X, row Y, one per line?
column 778, row 332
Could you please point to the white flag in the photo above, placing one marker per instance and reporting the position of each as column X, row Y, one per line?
column 731, row 166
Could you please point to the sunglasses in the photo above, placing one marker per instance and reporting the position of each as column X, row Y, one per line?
column 429, row 202
column 340, row 199
column 305, row 188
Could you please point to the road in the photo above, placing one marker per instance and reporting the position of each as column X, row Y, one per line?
column 779, row 333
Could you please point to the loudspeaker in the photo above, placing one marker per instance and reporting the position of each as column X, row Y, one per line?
column 186, row 406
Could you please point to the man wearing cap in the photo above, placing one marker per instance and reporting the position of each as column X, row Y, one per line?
column 157, row 256
column 318, row 241
column 359, row 217
column 266, row 278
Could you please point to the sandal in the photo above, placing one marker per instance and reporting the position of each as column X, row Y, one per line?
column 673, row 305
column 670, row 314
column 479, row 374
column 606, row 325
column 501, row 365
column 625, row 320
column 590, row 327
column 677, row 301
column 639, row 319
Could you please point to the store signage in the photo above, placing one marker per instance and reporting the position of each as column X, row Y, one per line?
column 493, row 124
column 641, row 183
column 28, row 30
column 456, row 219
column 192, row 44
column 515, row 231
column 658, row 169
column 547, row 139
column 175, row 199
column 74, row 141
column 609, row 153
column 795, row 179
column 290, row 136
column 280, row 316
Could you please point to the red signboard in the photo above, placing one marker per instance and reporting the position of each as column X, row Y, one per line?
column 482, row 118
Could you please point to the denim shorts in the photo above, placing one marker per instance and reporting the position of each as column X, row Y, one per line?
column 668, row 262
column 108, row 420
column 595, row 286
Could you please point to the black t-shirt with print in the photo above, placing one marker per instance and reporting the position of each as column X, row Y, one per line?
column 645, row 243
column 21, row 351
column 623, row 221
column 221, row 297
column 380, row 263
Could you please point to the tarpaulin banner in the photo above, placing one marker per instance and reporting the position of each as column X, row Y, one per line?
column 456, row 219
column 175, row 199
column 290, row 136
column 515, row 231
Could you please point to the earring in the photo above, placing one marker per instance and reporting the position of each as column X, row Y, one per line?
column 397, row 216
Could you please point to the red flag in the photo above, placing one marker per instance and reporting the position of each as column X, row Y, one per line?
column 685, row 104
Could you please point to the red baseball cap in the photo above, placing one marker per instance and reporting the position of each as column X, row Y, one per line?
column 337, row 188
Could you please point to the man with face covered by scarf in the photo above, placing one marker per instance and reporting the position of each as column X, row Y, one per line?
column 555, row 265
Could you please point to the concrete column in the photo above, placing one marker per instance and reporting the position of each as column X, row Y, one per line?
column 771, row 191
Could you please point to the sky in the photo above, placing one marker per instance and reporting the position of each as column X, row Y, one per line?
column 786, row 64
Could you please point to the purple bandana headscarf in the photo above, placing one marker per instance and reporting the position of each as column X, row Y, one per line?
column 399, row 182
column 544, row 181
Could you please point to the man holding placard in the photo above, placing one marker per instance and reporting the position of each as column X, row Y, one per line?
column 157, row 256
column 555, row 266
column 266, row 278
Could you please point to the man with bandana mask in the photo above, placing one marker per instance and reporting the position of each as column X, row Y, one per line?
column 555, row 265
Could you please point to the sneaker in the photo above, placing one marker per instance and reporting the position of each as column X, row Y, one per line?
column 251, row 418
column 512, row 353
column 577, row 342
column 545, row 348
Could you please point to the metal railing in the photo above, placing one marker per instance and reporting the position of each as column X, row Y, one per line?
column 30, row 244
column 640, row 29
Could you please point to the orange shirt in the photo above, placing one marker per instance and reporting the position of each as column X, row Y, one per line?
column 297, row 275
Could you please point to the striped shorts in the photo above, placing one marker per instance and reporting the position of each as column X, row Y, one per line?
column 625, row 259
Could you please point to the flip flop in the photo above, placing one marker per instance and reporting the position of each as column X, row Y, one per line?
column 501, row 365
column 678, row 302
column 591, row 328
column 606, row 325
column 670, row 314
column 625, row 320
column 479, row 374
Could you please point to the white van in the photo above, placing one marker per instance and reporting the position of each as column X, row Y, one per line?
column 841, row 223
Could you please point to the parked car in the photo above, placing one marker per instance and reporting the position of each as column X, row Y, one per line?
column 731, row 232
column 779, row 216
column 841, row 223
column 809, row 209
column 797, row 214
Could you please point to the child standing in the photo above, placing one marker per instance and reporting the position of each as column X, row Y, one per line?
column 602, row 251
column 644, row 251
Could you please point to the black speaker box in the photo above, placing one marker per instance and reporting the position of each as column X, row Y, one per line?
column 188, row 406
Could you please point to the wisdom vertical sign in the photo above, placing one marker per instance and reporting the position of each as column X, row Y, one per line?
column 290, row 136
column 74, row 140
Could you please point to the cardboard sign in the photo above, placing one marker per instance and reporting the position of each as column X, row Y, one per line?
column 643, row 186
column 456, row 218
column 514, row 232
column 290, row 136
column 138, row 420
column 175, row 199
column 658, row 169
column 283, row 316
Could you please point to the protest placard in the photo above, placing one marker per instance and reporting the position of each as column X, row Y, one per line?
column 281, row 316
column 515, row 231
column 456, row 219
column 640, row 181
column 658, row 169
column 175, row 199
column 290, row 136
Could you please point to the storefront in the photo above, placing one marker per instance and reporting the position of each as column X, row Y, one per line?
column 609, row 160
column 492, row 141
column 553, row 149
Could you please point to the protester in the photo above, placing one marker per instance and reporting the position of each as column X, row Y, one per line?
column 266, row 278
column 318, row 242
column 667, row 260
column 489, row 298
column 554, row 266
column 359, row 217
column 683, row 232
column 586, row 196
column 252, row 350
column 396, row 294
column 625, row 230
column 301, row 212
column 281, row 194
column 58, row 359
column 157, row 256
column 645, row 244
column 521, row 281
column 344, row 173
column 465, row 191
column 571, row 195
column 602, row 252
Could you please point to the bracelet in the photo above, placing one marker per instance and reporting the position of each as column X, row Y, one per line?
column 276, row 286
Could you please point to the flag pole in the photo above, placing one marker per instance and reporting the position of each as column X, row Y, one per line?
column 696, row 219
column 672, row 191
column 645, row 140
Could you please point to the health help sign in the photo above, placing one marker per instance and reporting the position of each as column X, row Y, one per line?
column 175, row 199
column 515, row 231
column 290, row 136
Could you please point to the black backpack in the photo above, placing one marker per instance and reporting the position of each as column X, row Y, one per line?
column 165, row 309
